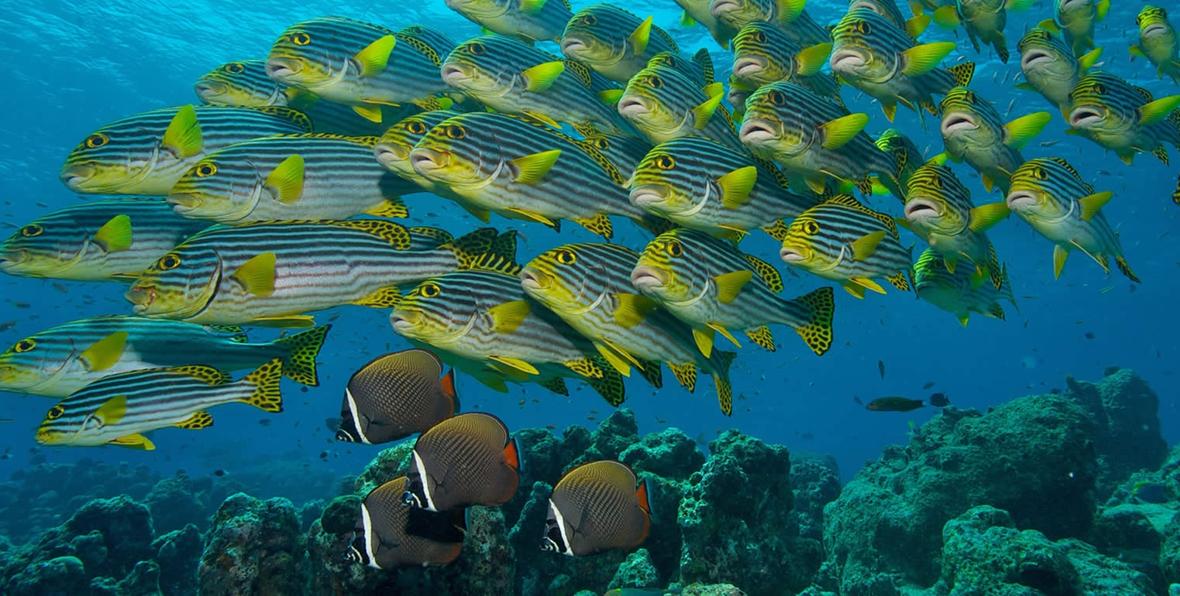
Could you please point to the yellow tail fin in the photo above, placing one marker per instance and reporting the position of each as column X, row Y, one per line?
column 266, row 395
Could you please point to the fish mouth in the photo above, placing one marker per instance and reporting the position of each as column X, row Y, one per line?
column 847, row 60
column 631, row 106
column 757, row 132
column 647, row 278
column 531, row 279
column 387, row 155
column 955, row 122
column 721, row 7
column 454, row 76
column 141, row 297
column 426, row 161
column 1021, row 199
column 572, row 46
column 207, row 90
column 1033, row 58
column 402, row 322
column 1154, row 29
column 183, row 201
column 75, row 176
column 1084, row 117
column 920, row 209
column 791, row 255
column 748, row 66
column 282, row 68
column 644, row 196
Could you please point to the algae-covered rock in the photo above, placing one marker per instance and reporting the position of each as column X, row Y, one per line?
column 669, row 453
column 177, row 554
column 389, row 464
column 815, row 482
column 253, row 546
column 637, row 571
column 59, row 576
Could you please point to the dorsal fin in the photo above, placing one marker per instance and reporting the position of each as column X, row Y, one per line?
column 1065, row 164
column 208, row 374
column 397, row 235
column 409, row 36
column 852, row 203
column 580, row 71
column 294, row 116
column 766, row 272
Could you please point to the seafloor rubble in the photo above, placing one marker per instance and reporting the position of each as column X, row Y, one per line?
column 1065, row 493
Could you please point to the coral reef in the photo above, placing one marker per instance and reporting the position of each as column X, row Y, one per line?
column 253, row 547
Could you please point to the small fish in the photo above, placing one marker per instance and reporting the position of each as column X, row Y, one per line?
column 881, row 368
column 939, row 400
column 894, row 404
column 973, row 131
column 845, row 241
column 613, row 42
column 1051, row 196
column 1124, row 118
column 393, row 152
column 385, row 536
column 960, row 292
column 764, row 54
column 888, row 8
column 148, row 152
column 788, row 15
column 597, row 507
column 698, row 12
column 1050, row 68
column 395, row 396
column 117, row 409
column 112, row 239
column 905, row 155
column 928, row 385
column 527, row 20
column 219, row 473
column 664, row 104
column 984, row 20
column 1076, row 19
column 466, row 460
column 1157, row 42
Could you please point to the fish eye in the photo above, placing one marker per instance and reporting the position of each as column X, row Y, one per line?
column 97, row 140
column 416, row 127
column 776, row 98
column 300, row 38
column 810, row 228
column 758, row 37
column 566, row 257
column 55, row 412
column 429, row 290
column 1099, row 88
column 589, row 20
column 205, row 169
column 674, row 249
column 599, row 143
column 31, row 231
column 969, row 96
column 655, row 82
column 25, row 345
column 168, row 262
column 477, row 49
column 234, row 67
column 665, row 162
column 1040, row 174
column 456, row 132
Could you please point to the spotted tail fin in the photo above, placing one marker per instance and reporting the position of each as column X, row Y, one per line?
column 301, row 351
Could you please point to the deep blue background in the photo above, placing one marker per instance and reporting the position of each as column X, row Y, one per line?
column 69, row 67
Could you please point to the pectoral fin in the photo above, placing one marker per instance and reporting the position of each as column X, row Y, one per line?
column 542, row 76
column 183, row 135
column 375, row 57
column 703, row 112
column 1020, row 131
column 257, row 275
column 865, row 246
column 640, row 36
column 729, row 285
column 736, row 186
column 115, row 234
column 113, row 410
column 1158, row 110
column 105, row 352
column 532, row 168
column 984, row 217
column 838, row 132
column 632, row 310
column 287, row 179
column 810, row 60
column 508, row 316
column 1092, row 203
column 924, row 58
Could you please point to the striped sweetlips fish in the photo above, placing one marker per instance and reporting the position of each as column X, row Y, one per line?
column 1123, row 118
column 485, row 317
column 1158, row 42
column 525, row 170
column 1050, row 68
column 984, row 20
column 973, row 131
column 613, row 42
column 589, row 285
column 1076, row 20
column 99, row 240
column 815, row 139
column 1051, row 196
column 361, row 64
column 703, row 185
column 763, row 54
column 664, row 105
column 148, row 152
column 787, row 15
column 958, row 293
column 842, row 240
column 60, row 360
column 271, row 273
column 709, row 284
column 118, row 409
column 527, row 20
column 873, row 55
column 290, row 177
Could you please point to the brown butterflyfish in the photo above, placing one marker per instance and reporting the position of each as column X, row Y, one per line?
column 597, row 507
column 466, row 460
column 395, row 396
column 390, row 533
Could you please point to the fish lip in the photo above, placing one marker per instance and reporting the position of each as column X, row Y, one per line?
column 207, row 90
column 183, row 202
column 400, row 323
column 631, row 106
column 1154, row 28
column 571, row 46
column 847, row 59
column 954, row 122
column 642, row 196
column 647, row 278
column 790, row 255
column 1033, row 57
column 282, row 68
column 720, row 7
column 387, row 154
column 532, row 280
column 1084, row 116
column 75, row 176
column 755, row 132
column 745, row 66
column 453, row 75
column 1021, row 199
column 919, row 209
column 141, row 297
column 424, row 161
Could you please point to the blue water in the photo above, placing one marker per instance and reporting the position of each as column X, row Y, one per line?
column 70, row 67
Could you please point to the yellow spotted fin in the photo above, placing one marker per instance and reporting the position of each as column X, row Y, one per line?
column 199, row 419
column 265, row 380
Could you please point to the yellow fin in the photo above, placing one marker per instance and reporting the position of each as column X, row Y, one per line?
column 766, row 272
column 719, row 328
column 714, row 88
column 1101, row 8
column 924, row 58
column 867, row 283
column 200, row 419
column 115, row 234
column 533, row 216
column 105, row 352
column 817, row 184
column 984, row 217
column 506, row 317
column 1089, row 59
column 531, row 6
column 686, row 19
column 947, row 17
column 988, row 183
column 1050, row 25
column 619, row 359
column 1092, row 203
column 1020, row 131
column 789, row 10
column 916, row 25
column 703, row 112
column 515, row 364
column 632, row 309
column 390, row 207
column 113, row 410
column 865, row 246
column 890, row 110
column 136, row 441
column 287, row 179
column 388, row 297
column 610, row 96
column 257, row 275
column 183, row 135
column 542, row 76
column 854, row 289
column 640, row 36
column 736, row 186
column 838, row 132
column 811, row 59
column 704, row 340
column 729, row 285
column 284, row 321
column 372, row 113
column 1158, row 110
column 532, row 168
column 1060, row 254
column 375, row 57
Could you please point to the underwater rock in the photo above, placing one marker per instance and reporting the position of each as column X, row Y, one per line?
column 1033, row 457
column 389, row 464
column 59, row 575
column 1170, row 553
column 178, row 501
column 253, row 546
column 329, row 572
column 734, row 517
column 1127, row 436
column 613, row 435
column 177, row 554
column 815, row 482
column 669, row 453
column 309, row 512
column 636, row 572
column 486, row 565
column 144, row 580
column 711, row 590
column 111, row 535
column 983, row 551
